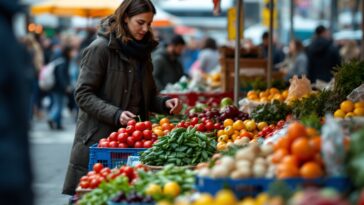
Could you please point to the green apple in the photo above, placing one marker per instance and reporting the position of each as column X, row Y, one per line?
column 226, row 101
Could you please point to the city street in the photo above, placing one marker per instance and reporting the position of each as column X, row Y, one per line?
column 50, row 152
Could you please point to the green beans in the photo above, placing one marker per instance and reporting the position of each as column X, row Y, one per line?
column 180, row 147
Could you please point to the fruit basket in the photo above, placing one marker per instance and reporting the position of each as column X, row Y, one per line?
column 111, row 157
column 254, row 186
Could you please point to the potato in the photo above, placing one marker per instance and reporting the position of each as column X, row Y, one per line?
column 245, row 154
column 228, row 163
column 259, row 170
column 266, row 150
column 219, row 172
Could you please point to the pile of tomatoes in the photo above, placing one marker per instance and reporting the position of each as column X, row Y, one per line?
column 135, row 135
column 100, row 173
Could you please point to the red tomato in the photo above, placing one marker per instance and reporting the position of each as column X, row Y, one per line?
column 140, row 126
column 84, row 184
column 130, row 129
column 148, row 144
column 138, row 145
column 122, row 130
column 129, row 172
column 113, row 144
column 209, row 126
column 84, row 178
column 130, row 141
column 104, row 144
column 148, row 125
column 131, row 122
column 187, row 124
column 141, row 167
column 194, row 121
column 105, row 171
column 94, row 183
column 122, row 137
column 123, row 145
column 147, row 134
column 154, row 137
column 91, row 173
column 137, row 135
column 181, row 124
column 113, row 136
column 98, row 167
column 203, row 119
column 217, row 126
column 200, row 127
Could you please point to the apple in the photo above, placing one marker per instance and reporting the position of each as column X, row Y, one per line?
column 226, row 102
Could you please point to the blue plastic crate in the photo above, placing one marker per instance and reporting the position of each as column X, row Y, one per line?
column 252, row 187
column 111, row 157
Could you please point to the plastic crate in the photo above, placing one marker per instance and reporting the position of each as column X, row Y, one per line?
column 252, row 187
column 111, row 157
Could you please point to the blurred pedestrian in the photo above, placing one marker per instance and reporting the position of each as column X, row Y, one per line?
column 167, row 65
column 62, row 87
column 350, row 51
column 209, row 55
column 36, row 53
column 296, row 61
column 115, row 83
column 278, row 54
column 15, row 81
column 323, row 56
column 190, row 54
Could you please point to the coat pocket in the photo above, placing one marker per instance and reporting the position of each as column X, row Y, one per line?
column 89, row 135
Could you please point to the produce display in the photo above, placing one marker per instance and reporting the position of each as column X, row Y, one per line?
column 289, row 140
column 135, row 135
column 180, row 147
column 350, row 109
column 267, row 95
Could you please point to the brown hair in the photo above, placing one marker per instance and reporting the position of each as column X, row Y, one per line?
column 129, row 8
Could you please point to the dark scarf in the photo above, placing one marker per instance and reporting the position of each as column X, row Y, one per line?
column 139, row 50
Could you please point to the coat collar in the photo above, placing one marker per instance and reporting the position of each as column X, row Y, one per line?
column 113, row 44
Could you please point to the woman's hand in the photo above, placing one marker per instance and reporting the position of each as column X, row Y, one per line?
column 175, row 106
column 125, row 117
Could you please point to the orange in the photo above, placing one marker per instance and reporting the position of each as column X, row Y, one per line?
column 315, row 143
column 166, row 126
column 318, row 159
column 279, row 155
column 339, row 113
column 273, row 91
column 285, row 94
column 244, row 133
column 359, row 104
column 220, row 132
column 311, row 170
column 228, row 122
column 311, row 132
column 287, row 170
column 290, row 159
column 238, row 125
column 252, row 92
column 296, row 130
column 282, row 143
column 158, row 132
column 347, row 106
column 164, row 120
column 359, row 111
column 302, row 149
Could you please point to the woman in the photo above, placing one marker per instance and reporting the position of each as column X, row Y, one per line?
column 297, row 61
column 62, row 86
column 115, row 83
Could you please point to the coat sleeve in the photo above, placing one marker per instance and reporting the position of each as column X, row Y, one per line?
column 92, row 75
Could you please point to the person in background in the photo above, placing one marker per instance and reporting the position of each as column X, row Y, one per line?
column 115, row 83
column 278, row 54
column 323, row 56
column 36, row 53
column 90, row 36
column 297, row 61
column 209, row 55
column 62, row 87
column 190, row 54
column 349, row 51
column 167, row 66
column 16, row 79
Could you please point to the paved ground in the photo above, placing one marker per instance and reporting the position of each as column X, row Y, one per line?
column 50, row 153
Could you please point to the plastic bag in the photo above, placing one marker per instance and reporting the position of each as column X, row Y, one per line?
column 333, row 147
column 357, row 94
column 298, row 88
column 247, row 105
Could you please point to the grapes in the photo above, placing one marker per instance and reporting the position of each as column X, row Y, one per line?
column 132, row 197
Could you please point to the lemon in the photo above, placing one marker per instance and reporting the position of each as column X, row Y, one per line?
column 164, row 202
column 248, row 201
column 153, row 189
column 339, row 113
column 262, row 125
column 204, row 199
column 347, row 106
column 359, row 111
column 359, row 104
column 225, row 197
column 262, row 199
column 238, row 125
column 172, row 189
